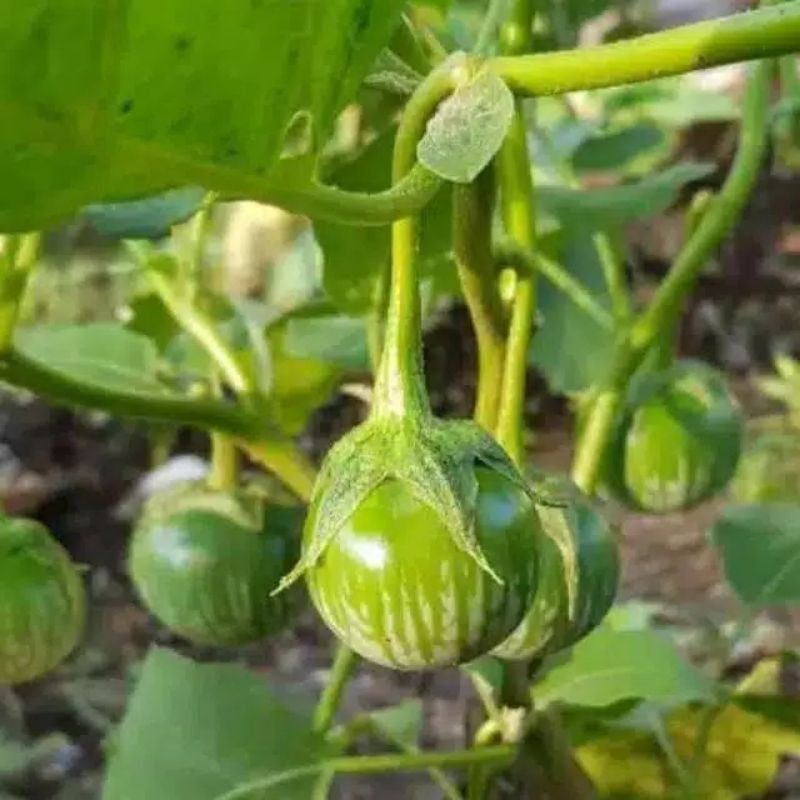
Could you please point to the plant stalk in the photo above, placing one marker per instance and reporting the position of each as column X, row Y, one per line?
column 224, row 462
column 516, row 184
column 555, row 274
column 747, row 36
column 343, row 665
column 204, row 332
column 662, row 314
column 472, row 246
column 277, row 453
column 365, row 765
column 17, row 260
column 400, row 386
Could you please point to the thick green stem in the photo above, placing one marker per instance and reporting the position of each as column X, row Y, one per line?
column 224, row 462
column 311, row 199
column 590, row 452
column 25, row 373
column 343, row 665
column 516, row 184
column 740, row 37
column 472, row 246
column 664, row 309
column 17, row 260
column 400, row 387
column 364, row 765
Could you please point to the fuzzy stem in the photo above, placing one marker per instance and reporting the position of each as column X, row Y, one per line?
column 740, row 37
column 472, row 246
column 400, row 387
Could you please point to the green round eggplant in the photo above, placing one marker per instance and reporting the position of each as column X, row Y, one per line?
column 395, row 587
column 579, row 574
column 205, row 564
column 42, row 602
column 677, row 439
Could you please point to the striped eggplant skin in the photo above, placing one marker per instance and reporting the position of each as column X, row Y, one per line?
column 677, row 441
column 577, row 584
column 42, row 602
column 208, row 577
column 395, row 587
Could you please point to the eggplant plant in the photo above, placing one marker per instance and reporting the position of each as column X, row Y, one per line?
column 421, row 542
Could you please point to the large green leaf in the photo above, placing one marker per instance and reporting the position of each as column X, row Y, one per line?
column 109, row 101
column 571, row 348
column 347, row 37
column 194, row 732
column 610, row 666
column 760, row 546
column 99, row 354
column 603, row 208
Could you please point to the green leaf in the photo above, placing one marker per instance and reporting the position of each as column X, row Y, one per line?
column 468, row 128
column 347, row 37
column 486, row 672
column 609, row 666
column 330, row 338
column 760, row 548
column 400, row 724
column 604, row 208
column 673, row 102
column 103, row 101
column 194, row 732
column 149, row 317
column 300, row 383
column 571, row 348
column 151, row 218
column 617, row 150
column 355, row 257
column 99, row 354
column 115, row 101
